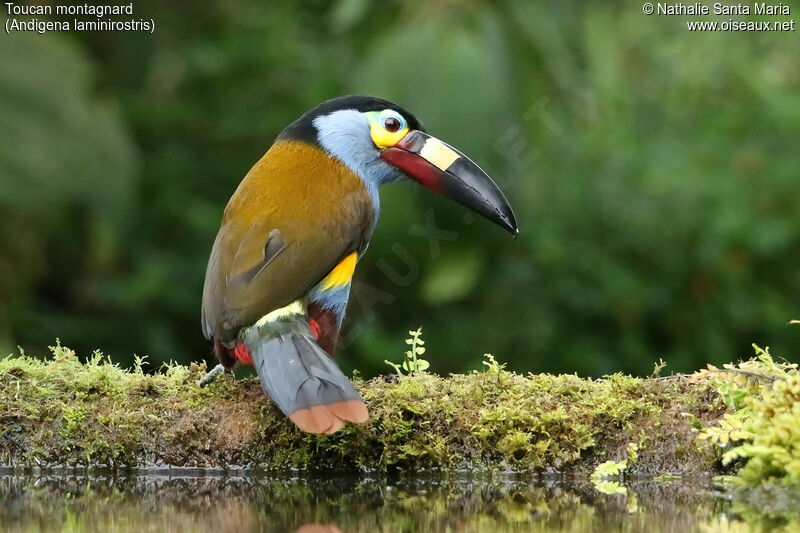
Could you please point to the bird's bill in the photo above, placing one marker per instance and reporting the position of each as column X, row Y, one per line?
column 444, row 169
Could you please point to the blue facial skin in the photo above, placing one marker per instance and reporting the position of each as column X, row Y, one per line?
column 345, row 135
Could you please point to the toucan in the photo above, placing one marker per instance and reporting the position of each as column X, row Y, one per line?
column 280, row 270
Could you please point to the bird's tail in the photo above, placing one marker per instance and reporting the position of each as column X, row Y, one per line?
column 299, row 376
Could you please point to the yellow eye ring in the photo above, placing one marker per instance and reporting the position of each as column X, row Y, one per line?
column 386, row 127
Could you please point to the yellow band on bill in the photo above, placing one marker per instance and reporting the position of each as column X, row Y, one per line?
column 438, row 153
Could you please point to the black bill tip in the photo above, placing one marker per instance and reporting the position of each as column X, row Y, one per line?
column 449, row 172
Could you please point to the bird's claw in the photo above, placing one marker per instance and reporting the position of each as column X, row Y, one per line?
column 211, row 375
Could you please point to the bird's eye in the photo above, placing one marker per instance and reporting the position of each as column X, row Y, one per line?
column 386, row 127
column 391, row 124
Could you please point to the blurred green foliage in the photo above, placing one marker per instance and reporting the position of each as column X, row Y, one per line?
column 654, row 173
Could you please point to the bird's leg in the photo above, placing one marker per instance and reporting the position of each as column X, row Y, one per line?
column 212, row 375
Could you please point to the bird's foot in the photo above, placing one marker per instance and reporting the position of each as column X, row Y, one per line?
column 212, row 375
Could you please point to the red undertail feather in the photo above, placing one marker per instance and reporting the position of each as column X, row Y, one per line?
column 242, row 354
column 315, row 328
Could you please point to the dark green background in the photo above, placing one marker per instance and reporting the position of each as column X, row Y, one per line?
column 654, row 173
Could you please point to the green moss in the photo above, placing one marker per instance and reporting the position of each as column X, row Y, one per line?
column 63, row 412
column 66, row 412
column 774, row 451
column 762, row 431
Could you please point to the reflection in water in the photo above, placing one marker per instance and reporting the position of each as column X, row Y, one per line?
column 312, row 505
column 318, row 528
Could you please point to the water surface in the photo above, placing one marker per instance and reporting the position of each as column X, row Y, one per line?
column 178, row 501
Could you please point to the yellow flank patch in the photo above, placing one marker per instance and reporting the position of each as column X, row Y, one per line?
column 294, row 308
column 342, row 273
column 438, row 153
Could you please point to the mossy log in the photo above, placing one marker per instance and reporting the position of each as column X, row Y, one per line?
column 63, row 412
